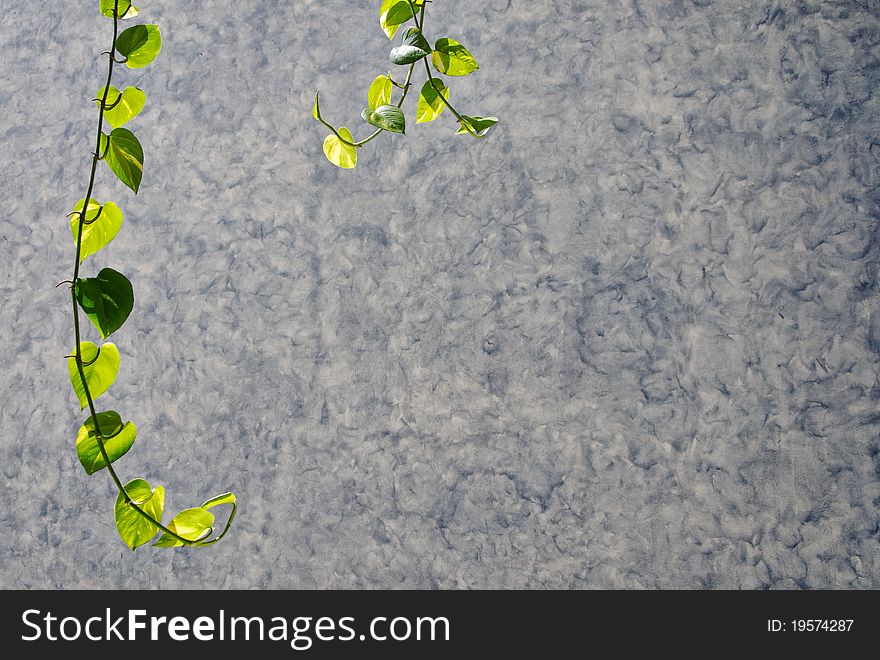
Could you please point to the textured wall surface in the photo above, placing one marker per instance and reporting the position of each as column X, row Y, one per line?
column 632, row 340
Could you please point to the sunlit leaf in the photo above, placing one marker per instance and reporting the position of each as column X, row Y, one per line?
column 380, row 92
column 225, row 498
column 124, row 106
column 118, row 438
column 387, row 117
column 106, row 299
column 134, row 529
column 100, row 367
column 453, row 59
column 393, row 14
column 139, row 44
column 98, row 232
column 316, row 109
column 430, row 103
column 339, row 153
column 125, row 8
column 414, row 48
column 192, row 524
column 479, row 125
column 124, row 156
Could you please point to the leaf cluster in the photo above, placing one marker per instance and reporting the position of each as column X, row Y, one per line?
column 448, row 58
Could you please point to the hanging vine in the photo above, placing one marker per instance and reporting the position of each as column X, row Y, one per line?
column 448, row 57
column 107, row 300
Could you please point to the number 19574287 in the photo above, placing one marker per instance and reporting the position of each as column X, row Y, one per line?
column 810, row 625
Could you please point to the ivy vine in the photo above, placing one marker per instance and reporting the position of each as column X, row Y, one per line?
column 448, row 57
column 107, row 301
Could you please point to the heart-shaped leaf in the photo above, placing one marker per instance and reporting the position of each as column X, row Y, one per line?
column 453, row 59
column 225, row 498
column 134, row 529
column 124, row 106
column 106, row 299
column 100, row 366
column 479, row 125
column 393, row 14
column 387, row 117
column 139, row 45
column 430, row 103
column 99, row 229
column 380, row 92
column 125, row 8
column 414, row 48
column 337, row 152
column 192, row 524
column 124, row 156
column 118, row 439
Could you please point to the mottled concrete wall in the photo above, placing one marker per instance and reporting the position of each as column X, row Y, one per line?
column 631, row 340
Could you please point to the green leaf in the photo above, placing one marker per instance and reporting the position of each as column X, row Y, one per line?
column 380, row 92
column 393, row 14
column 124, row 156
column 124, row 106
column 414, row 48
column 225, row 498
column 479, row 125
column 100, row 366
column 118, row 439
column 106, row 299
column 387, row 117
column 339, row 153
column 316, row 109
column 98, row 230
column 139, row 45
column 430, row 104
column 453, row 59
column 126, row 9
column 192, row 524
column 134, row 529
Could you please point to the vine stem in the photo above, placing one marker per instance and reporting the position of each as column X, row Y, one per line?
column 99, row 436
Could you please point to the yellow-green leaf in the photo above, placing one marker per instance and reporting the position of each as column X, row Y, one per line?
column 430, row 104
column 134, row 529
column 225, row 498
column 393, row 14
column 479, row 125
column 380, row 92
column 98, row 230
column 124, row 106
column 125, row 8
column 192, row 524
column 139, row 45
column 453, row 59
column 337, row 152
column 118, row 438
column 100, row 366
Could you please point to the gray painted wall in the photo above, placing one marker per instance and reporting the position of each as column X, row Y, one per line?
column 631, row 340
